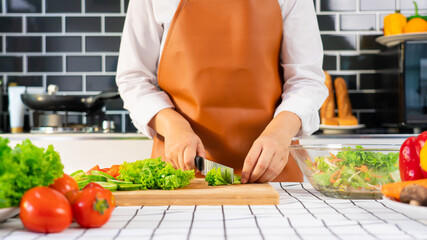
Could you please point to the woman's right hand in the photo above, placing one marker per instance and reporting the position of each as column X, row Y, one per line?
column 181, row 142
column 181, row 147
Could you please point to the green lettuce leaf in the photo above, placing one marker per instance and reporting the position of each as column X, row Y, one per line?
column 153, row 173
column 215, row 178
column 24, row 167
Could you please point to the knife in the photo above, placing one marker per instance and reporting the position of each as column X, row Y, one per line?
column 205, row 166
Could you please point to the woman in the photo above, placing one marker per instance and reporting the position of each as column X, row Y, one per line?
column 234, row 81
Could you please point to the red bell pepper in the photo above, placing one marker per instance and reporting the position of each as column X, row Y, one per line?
column 409, row 158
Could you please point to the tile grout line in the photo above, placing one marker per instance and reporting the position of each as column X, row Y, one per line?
column 402, row 214
column 191, row 224
column 130, row 220
column 324, row 201
column 160, row 222
column 398, row 227
column 41, row 235
column 298, row 201
column 257, row 224
column 11, row 232
column 361, row 225
column 329, row 229
column 371, row 213
column 366, row 230
column 289, row 222
column 223, row 222
column 81, row 234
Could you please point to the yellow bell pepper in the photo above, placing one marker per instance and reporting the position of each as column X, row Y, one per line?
column 394, row 23
column 416, row 23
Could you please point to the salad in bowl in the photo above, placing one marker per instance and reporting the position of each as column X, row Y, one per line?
column 348, row 171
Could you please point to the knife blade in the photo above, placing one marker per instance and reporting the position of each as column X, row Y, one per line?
column 205, row 166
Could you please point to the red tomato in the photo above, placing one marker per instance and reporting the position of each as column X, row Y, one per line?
column 96, row 167
column 92, row 184
column 114, row 171
column 65, row 184
column 73, row 195
column 93, row 207
column 45, row 210
column 104, row 169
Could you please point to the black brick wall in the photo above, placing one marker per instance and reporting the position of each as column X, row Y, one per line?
column 75, row 43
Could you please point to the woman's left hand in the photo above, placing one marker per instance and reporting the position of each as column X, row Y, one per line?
column 269, row 153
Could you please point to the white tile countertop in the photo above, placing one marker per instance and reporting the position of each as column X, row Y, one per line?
column 302, row 214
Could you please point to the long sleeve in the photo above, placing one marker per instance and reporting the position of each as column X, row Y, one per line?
column 137, row 66
column 301, row 57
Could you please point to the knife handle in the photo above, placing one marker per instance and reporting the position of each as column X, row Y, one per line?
column 199, row 162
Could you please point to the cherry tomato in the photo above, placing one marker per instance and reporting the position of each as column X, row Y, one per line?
column 65, row 184
column 93, row 207
column 45, row 210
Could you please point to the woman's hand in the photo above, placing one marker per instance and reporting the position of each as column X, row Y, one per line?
column 181, row 143
column 269, row 153
column 181, row 147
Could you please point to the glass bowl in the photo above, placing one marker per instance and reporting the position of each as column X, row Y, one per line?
column 348, row 171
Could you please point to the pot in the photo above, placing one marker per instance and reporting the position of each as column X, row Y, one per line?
column 75, row 103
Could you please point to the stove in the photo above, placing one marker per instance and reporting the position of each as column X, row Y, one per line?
column 63, row 122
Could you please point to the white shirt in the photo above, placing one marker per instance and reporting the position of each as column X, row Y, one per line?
column 145, row 30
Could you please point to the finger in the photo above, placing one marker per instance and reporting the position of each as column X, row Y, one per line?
column 189, row 154
column 201, row 149
column 250, row 162
column 281, row 166
column 272, row 169
column 262, row 164
column 169, row 159
column 180, row 160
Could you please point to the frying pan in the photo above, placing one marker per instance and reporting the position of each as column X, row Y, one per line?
column 75, row 103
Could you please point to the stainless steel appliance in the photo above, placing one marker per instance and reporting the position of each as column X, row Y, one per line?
column 51, row 112
column 401, row 85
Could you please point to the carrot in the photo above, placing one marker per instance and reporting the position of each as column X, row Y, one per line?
column 332, row 180
column 337, row 160
column 333, row 155
column 393, row 189
column 367, row 179
column 362, row 168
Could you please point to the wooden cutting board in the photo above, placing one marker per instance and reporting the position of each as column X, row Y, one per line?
column 199, row 193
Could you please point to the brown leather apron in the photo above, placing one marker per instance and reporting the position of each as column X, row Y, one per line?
column 220, row 67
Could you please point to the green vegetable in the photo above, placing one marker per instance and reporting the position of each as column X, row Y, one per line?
column 214, row 177
column 108, row 185
column 99, row 173
column 96, row 178
column 24, row 167
column 82, row 183
column 118, row 182
column 155, row 174
column 129, row 187
column 355, row 169
column 77, row 174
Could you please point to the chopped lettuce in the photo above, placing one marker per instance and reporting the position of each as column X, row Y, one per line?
column 215, row 178
column 355, row 169
column 155, row 174
column 24, row 167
